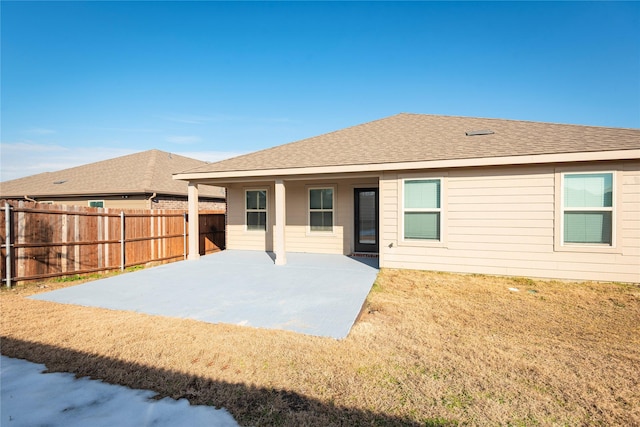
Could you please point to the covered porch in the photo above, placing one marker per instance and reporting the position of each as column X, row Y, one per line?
column 324, row 213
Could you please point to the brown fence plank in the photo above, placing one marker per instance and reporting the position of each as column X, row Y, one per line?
column 3, row 241
column 54, row 240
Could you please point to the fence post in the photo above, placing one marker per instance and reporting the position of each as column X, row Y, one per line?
column 100, row 247
column 7, row 241
column 107, row 233
column 122, row 248
column 184, row 235
column 20, row 229
column 64, row 251
column 77, row 232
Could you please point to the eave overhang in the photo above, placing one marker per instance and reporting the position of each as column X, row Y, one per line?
column 429, row 164
column 145, row 194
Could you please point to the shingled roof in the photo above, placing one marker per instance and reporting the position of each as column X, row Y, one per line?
column 146, row 172
column 419, row 137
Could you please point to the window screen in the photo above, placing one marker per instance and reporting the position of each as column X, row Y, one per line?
column 321, row 209
column 588, row 208
column 256, row 209
column 422, row 209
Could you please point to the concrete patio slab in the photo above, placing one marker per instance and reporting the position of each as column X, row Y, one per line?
column 314, row 294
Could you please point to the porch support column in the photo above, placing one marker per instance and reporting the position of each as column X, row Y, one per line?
column 194, row 222
column 278, row 228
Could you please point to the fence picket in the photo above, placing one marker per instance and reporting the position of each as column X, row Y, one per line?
column 52, row 240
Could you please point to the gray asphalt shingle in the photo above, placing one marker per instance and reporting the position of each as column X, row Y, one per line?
column 145, row 172
column 419, row 137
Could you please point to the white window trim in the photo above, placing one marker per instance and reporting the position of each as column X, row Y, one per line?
column 440, row 243
column 559, row 244
column 93, row 201
column 310, row 232
column 266, row 210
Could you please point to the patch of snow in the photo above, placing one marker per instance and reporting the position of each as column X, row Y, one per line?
column 28, row 397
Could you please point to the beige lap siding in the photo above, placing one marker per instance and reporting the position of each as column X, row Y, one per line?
column 298, row 237
column 238, row 237
column 630, row 214
column 503, row 221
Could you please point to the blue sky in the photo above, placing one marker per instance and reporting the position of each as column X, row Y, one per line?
column 86, row 81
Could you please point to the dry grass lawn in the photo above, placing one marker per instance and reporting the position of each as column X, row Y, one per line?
column 429, row 349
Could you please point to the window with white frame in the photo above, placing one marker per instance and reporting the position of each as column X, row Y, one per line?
column 256, row 209
column 96, row 203
column 421, row 209
column 587, row 208
column 321, row 205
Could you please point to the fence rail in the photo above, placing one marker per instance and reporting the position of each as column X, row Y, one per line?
column 44, row 241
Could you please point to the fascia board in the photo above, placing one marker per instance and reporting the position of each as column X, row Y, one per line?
column 430, row 164
column 71, row 195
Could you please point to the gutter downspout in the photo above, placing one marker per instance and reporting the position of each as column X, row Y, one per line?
column 29, row 199
column 150, row 199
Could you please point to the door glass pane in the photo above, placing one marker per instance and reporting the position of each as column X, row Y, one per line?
column 587, row 227
column 422, row 225
column 367, row 217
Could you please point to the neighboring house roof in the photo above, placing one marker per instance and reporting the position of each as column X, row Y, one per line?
column 406, row 139
column 146, row 172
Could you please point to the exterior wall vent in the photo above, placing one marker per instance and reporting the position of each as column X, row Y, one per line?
column 479, row 132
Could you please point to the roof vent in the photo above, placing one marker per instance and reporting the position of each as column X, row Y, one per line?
column 62, row 181
column 479, row 132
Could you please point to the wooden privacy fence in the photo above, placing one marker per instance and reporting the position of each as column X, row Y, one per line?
column 43, row 241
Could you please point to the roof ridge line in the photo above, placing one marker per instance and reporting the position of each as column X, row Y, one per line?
column 503, row 119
